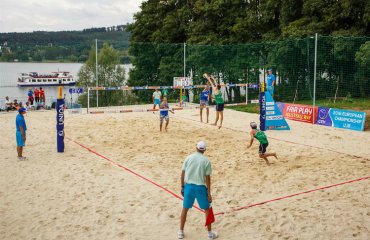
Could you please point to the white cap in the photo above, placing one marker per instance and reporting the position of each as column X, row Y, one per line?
column 201, row 145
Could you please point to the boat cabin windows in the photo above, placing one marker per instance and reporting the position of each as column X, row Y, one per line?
column 49, row 80
column 44, row 80
column 33, row 80
column 54, row 80
column 38, row 80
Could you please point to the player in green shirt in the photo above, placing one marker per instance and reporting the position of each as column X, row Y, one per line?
column 218, row 98
column 184, row 98
column 261, row 137
column 165, row 93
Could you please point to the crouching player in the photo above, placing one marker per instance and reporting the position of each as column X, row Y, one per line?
column 261, row 137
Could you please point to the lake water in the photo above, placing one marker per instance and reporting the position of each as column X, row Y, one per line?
column 9, row 76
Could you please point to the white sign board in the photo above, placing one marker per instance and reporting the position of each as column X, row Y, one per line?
column 182, row 81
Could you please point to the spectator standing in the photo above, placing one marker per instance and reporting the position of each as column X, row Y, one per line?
column 37, row 95
column 270, row 81
column 42, row 95
column 30, row 96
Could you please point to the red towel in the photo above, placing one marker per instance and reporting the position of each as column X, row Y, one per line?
column 210, row 218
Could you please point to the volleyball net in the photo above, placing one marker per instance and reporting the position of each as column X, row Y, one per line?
column 125, row 99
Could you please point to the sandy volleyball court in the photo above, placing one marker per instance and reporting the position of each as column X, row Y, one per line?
column 79, row 195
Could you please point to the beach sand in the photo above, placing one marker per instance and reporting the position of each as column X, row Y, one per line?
column 79, row 195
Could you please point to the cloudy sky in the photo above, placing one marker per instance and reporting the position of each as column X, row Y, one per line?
column 56, row 15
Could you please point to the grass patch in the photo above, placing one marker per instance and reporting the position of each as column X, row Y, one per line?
column 250, row 108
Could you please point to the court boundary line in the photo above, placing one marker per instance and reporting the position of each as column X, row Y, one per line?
column 222, row 212
column 131, row 171
column 281, row 140
column 292, row 195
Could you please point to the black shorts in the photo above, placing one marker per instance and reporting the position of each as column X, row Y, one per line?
column 219, row 107
column 262, row 148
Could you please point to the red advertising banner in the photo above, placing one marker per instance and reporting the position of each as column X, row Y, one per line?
column 297, row 112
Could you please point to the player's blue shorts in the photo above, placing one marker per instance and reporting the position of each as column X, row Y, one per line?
column 19, row 138
column 204, row 103
column 192, row 192
column 157, row 101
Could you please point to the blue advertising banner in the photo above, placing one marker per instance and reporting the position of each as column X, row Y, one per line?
column 348, row 119
column 274, row 119
column 340, row 118
column 60, row 124
column 323, row 117
column 76, row 90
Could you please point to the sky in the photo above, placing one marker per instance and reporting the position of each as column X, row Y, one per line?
column 58, row 15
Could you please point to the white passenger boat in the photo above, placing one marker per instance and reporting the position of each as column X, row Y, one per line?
column 53, row 79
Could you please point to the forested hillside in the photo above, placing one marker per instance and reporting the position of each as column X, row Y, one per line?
column 69, row 46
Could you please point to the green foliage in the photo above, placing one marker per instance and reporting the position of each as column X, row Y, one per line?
column 340, row 71
column 238, row 40
column 110, row 73
column 63, row 46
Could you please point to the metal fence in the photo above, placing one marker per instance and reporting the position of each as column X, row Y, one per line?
column 340, row 70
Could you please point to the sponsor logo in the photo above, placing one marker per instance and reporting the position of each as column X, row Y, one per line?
column 279, row 117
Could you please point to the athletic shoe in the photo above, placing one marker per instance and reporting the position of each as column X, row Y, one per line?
column 212, row 235
column 180, row 234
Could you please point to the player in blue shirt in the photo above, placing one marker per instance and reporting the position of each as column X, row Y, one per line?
column 20, row 133
column 204, row 102
column 163, row 114
column 270, row 82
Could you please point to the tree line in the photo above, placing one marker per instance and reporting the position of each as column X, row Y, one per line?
column 236, row 40
column 67, row 46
